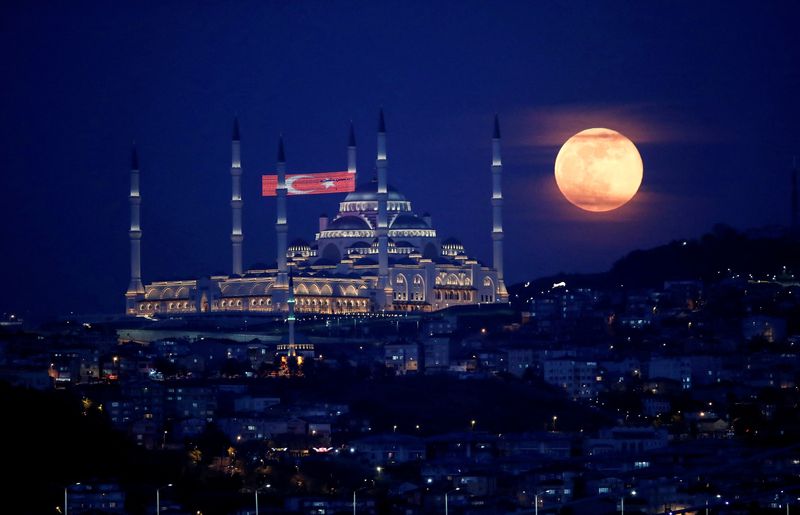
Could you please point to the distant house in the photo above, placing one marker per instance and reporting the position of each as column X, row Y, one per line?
column 96, row 498
column 554, row 445
column 520, row 360
column 402, row 357
column 771, row 329
column 580, row 379
column 253, row 428
column 390, row 448
column 436, row 354
column 254, row 404
column 678, row 369
column 626, row 440
column 716, row 428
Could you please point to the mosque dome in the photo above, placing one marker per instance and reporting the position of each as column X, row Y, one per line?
column 369, row 192
column 349, row 223
column 299, row 248
column 451, row 247
column 408, row 221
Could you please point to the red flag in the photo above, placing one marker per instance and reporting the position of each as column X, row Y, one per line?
column 310, row 183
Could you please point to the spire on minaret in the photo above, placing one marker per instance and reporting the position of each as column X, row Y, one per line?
column 500, row 293
column 351, row 151
column 281, row 153
column 237, row 235
column 381, row 122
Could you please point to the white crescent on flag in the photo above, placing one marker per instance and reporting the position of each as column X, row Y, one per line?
column 290, row 185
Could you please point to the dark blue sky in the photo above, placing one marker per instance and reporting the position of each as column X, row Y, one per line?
column 708, row 92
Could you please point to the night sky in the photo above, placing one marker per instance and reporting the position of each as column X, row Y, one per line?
column 709, row 92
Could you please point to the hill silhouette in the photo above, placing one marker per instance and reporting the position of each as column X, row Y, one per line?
column 724, row 252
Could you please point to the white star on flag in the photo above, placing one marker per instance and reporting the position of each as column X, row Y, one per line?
column 328, row 184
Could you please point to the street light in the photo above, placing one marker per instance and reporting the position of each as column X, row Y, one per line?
column 354, row 497
column 622, row 502
column 536, row 502
column 445, row 498
column 268, row 485
column 158, row 497
column 66, row 500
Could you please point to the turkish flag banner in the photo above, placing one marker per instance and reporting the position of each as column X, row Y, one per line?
column 310, row 183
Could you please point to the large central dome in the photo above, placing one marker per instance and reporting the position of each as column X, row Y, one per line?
column 369, row 192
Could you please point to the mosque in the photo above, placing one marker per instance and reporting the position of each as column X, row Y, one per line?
column 375, row 255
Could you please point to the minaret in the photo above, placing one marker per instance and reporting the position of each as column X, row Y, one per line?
column 236, row 200
column 351, row 151
column 794, row 194
column 135, row 234
column 281, row 228
column 383, row 221
column 497, row 216
column 292, row 350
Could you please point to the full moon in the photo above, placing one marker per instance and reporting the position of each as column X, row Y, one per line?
column 598, row 170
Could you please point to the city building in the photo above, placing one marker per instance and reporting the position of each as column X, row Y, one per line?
column 375, row 255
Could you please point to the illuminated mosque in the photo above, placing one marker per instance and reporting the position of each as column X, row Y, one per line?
column 375, row 255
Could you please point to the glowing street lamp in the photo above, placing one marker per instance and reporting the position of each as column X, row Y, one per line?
column 622, row 502
column 354, row 497
column 536, row 502
column 158, row 497
column 445, row 498
column 256, row 494
column 66, row 497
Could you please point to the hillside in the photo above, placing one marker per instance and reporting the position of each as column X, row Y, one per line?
column 722, row 253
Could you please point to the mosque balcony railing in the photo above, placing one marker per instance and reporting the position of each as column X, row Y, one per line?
column 412, row 233
column 347, row 234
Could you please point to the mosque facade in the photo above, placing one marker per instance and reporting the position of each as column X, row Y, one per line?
column 375, row 255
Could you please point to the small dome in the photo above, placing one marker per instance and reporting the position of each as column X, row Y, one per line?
column 404, row 244
column 451, row 247
column 349, row 223
column 409, row 222
column 369, row 192
column 359, row 245
column 298, row 243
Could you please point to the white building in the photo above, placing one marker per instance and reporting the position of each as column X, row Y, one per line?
column 375, row 255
